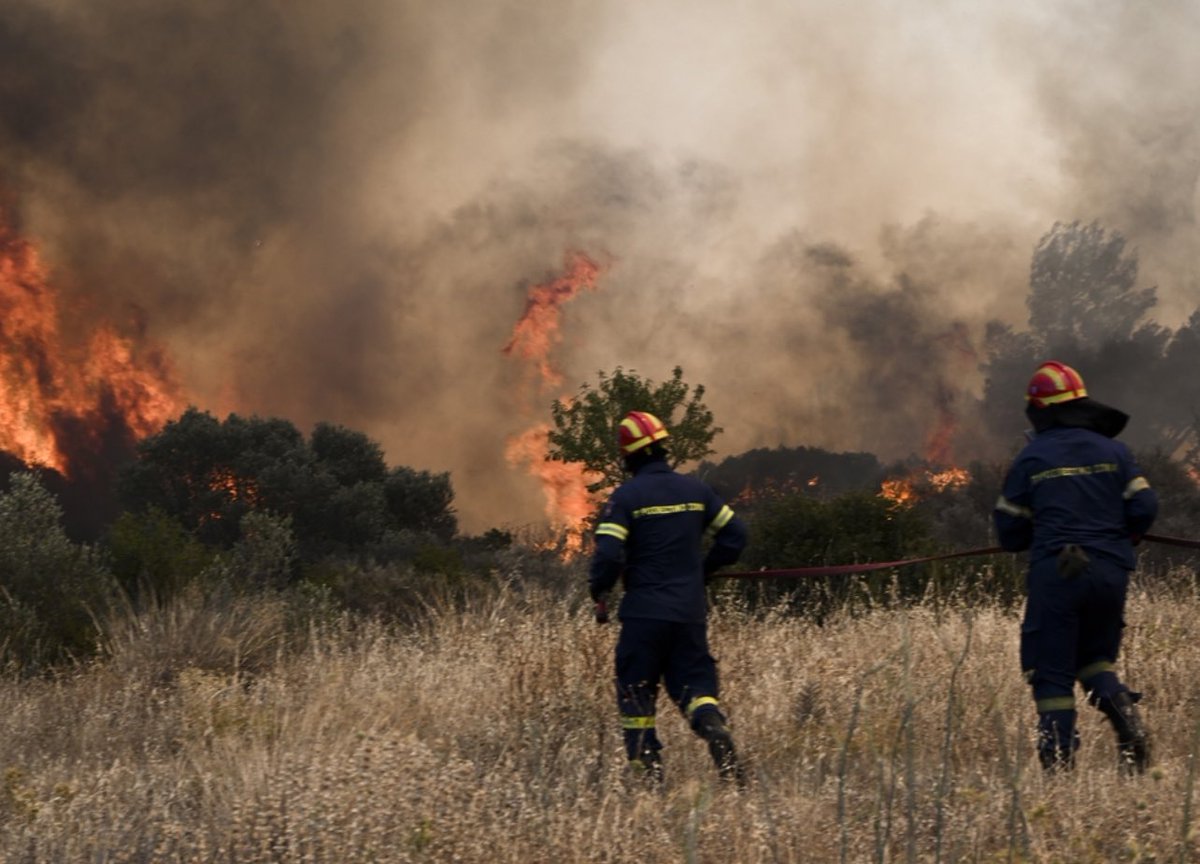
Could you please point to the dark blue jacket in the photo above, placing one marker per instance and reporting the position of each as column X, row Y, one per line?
column 1074, row 485
column 653, row 528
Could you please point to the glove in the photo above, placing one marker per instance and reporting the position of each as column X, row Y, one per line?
column 601, row 611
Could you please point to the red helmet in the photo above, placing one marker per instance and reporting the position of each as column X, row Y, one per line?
column 639, row 429
column 1053, row 383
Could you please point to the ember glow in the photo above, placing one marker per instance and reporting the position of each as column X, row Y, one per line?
column 534, row 337
column 898, row 491
column 921, row 483
column 62, row 401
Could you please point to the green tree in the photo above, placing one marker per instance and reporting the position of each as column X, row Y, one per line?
column 585, row 428
column 335, row 491
column 421, row 501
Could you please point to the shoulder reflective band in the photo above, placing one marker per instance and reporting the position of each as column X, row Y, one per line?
column 1006, row 506
column 1136, row 485
column 720, row 520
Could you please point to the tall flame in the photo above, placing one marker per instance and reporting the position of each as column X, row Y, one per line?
column 534, row 338
column 60, row 402
column 564, row 484
column 536, row 333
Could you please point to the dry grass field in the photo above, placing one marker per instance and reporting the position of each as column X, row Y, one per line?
column 489, row 735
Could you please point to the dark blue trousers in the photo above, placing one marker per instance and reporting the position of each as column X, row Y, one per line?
column 1071, row 632
column 675, row 653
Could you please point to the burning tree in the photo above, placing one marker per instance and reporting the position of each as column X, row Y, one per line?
column 585, row 427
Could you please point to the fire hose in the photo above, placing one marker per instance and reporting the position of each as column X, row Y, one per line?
column 601, row 608
column 847, row 569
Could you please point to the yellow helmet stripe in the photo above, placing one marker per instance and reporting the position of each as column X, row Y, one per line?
column 1065, row 397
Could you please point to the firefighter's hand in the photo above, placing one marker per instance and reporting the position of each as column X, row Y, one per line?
column 601, row 611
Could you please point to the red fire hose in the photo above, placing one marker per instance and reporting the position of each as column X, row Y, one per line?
column 846, row 569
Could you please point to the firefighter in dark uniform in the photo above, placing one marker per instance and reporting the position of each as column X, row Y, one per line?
column 651, row 535
column 1076, row 499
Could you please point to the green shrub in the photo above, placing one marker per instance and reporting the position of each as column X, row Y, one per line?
column 153, row 557
column 796, row 530
column 51, row 590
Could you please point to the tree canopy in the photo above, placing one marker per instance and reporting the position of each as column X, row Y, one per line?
column 1083, row 288
column 585, row 427
column 1086, row 310
column 335, row 487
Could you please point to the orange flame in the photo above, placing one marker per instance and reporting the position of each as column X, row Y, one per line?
column 55, row 395
column 950, row 478
column 536, row 333
column 921, row 483
column 940, row 440
column 568, row 502
column 899, row 491
column 534, row 337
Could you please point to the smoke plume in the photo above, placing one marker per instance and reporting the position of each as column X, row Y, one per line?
column 334, row 210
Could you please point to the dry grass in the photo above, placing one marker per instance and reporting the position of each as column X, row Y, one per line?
column 491, row 736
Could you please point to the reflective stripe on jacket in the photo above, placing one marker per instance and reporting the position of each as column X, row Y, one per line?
column 1073, row 485
column 652, row 529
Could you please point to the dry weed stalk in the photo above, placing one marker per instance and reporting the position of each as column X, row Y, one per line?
column 489, row 734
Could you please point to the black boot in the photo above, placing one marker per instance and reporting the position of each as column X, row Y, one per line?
column 1133, row 741
column 711, row 727
column 1057, row 740
column 648, row 768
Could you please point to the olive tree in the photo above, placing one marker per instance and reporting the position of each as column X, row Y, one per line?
column 585, row 427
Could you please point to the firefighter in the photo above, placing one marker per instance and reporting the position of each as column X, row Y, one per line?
column 1077, row 500
column 651, row 534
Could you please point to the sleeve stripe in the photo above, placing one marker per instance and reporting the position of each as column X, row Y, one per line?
column 612, row 529
column 1136, row 485
column 721, row 519
column 1006, row 506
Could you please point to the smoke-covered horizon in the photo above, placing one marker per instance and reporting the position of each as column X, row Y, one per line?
column 333, row 211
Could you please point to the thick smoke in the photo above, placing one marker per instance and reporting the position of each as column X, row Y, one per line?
column 333, row 210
